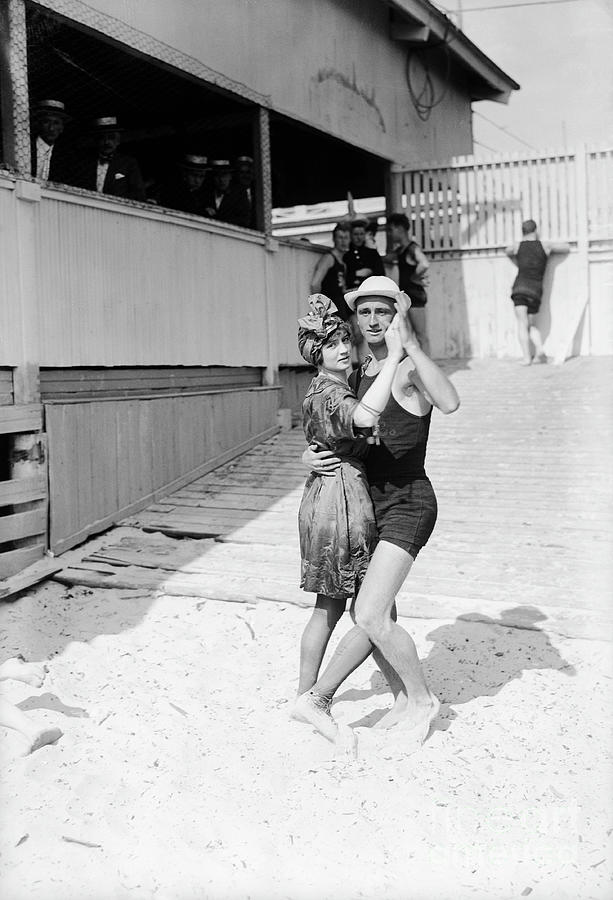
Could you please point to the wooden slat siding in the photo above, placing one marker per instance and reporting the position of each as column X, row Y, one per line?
column 22, row 490
column 23, row 524
column 156, row 312
column 10, row 314
column 443, row 209
column 110, row 457
column 17, row 419
column 292, row 268
column 63, row 383
column 462, row 216
column 600, row 178
column 437, row 209
column 6, row 387
column 14, row 561
column 496, row 195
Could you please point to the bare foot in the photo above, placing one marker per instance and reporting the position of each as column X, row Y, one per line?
column 395, row 714
column 540, row 357
column 525, row 362
column 416, row 729
column 314, row 710
column 19, row 670
column 42, row 737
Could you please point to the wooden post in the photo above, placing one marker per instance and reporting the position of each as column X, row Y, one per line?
column 26, row 380
column 583, row 248
column 263, row 199
column 14, row 96
column 393, row 197
column 262, row 170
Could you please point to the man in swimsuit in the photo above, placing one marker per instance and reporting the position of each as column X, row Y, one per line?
column 530, row 256
column 405, row 510
column 412, row 272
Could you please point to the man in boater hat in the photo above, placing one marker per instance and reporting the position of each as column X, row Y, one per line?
column 107, row 171
column 52, row 160
column 405, row 512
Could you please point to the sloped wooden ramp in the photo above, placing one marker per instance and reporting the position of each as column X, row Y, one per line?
column 524, row 529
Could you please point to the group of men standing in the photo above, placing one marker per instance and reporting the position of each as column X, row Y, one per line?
column 354, row 257
column 214, row 189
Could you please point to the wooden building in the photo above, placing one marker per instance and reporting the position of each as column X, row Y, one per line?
column 141, row 346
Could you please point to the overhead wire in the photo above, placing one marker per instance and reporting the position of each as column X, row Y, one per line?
column 513, row 5
column 505, row 130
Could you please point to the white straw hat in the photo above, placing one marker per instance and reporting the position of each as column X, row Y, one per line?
column 375, row 286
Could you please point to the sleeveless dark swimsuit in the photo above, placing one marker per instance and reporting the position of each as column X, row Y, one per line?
column 403, row 497
column 408, row 281
column 527, row 288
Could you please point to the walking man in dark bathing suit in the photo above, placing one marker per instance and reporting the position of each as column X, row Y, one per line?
column 530, row 256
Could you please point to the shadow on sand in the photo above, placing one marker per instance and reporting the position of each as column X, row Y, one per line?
column 473, row 657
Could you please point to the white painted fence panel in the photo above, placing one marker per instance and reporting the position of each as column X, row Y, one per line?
column 118, row 288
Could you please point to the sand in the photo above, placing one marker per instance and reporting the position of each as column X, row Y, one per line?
column 179, row 775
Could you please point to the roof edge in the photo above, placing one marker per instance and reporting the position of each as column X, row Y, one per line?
column 424, row 23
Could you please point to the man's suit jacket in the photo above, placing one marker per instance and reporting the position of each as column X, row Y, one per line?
column 123, row 177
column 62, row 164
column 234, row 207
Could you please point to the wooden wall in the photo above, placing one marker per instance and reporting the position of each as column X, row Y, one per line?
column 118, row 286
column 470, row 313
column 109, row 458
column 351, row 79
column 23, row 485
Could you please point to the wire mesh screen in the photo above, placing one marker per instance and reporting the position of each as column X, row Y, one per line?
column 108, row 119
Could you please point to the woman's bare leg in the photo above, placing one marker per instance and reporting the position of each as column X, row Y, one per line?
column 315, row 638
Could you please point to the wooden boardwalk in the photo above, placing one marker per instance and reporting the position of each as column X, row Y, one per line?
column 523, row 477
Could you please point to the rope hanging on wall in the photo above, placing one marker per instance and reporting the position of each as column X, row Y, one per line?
column 419, row 78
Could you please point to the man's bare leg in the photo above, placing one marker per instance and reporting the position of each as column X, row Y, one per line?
column 417, row 317
column 535, row 336
column 391, row 676
column 523, row 335
column 415, row 705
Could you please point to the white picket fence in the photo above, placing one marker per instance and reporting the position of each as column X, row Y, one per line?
column 479, row 204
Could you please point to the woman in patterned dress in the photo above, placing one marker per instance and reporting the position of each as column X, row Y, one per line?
column 336, row 519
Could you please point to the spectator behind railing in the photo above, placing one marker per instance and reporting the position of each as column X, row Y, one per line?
column 371, row 234
column 52, row 157
column 186, row 191
column 224, row 201
column 330, row 271
column 105, row 170
column 361, row 261
column 413, row 266
column 243, row 179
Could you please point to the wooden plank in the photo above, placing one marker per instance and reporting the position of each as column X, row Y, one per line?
column 22, row 490
column 437, row 208
column 173, row 585
column 29, row 576
column 24, row 524
column 54, row 382
column 26, row 417
column 61, row 542
column 14, row 561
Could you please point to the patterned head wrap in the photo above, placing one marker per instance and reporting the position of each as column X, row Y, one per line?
column 315, row 328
